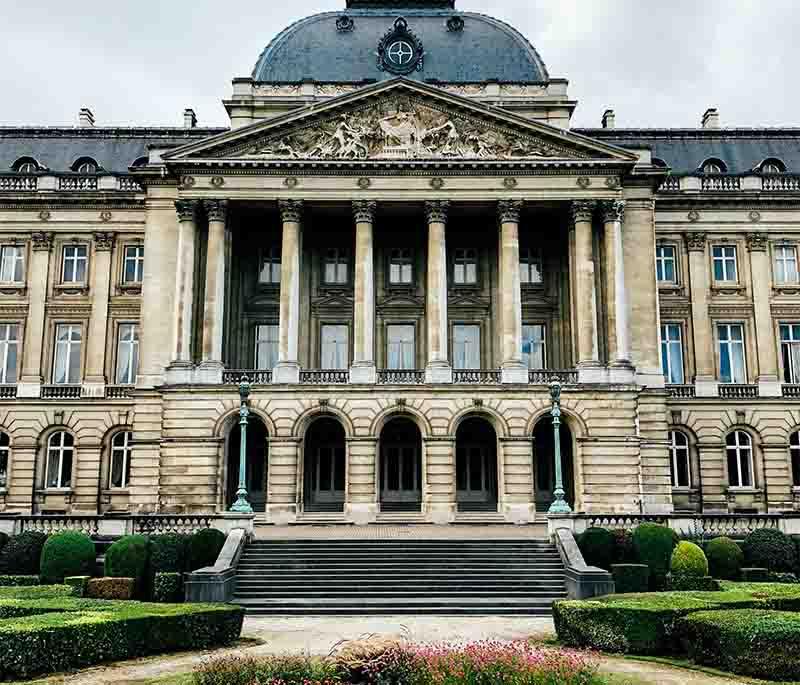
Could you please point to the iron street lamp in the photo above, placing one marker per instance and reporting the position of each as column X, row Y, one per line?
column 559, row 505
column 241, row 505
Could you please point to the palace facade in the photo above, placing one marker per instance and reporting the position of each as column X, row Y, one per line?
column 400, row 241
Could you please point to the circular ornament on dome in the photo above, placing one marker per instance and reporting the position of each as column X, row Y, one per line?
column 345, row 24
column 400, row 51
column 455, row 24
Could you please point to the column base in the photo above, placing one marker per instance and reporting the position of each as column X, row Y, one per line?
column 515, row 373
column 621, row 372
column 438, row 373
column 592, row 372
column 705, row 386
column 30, row 387
column 364, row 374
column 769, row 386
column 651, row 378
column 209, row 373
column 519, row 514
column 286, row 372
column 179, row 373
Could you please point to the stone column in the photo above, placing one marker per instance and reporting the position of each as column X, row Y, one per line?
column 510, row 295
column 705, row 380
column 769, row 384
column 210, row 370
column 288, row 368
column 180, row 369
column 618, row 329
column 94, row 382
column 30, row 382
column 589, row 368
column 438, row 369
column 363, row 368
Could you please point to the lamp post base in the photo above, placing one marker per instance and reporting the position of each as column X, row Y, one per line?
column 241, row 505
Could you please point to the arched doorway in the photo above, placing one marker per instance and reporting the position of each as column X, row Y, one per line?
column 257, row 458
column 324, row 466
column 476, row 466
column 544, row 479
column 401, row 466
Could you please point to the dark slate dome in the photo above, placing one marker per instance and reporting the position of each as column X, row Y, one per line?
column 441, row 44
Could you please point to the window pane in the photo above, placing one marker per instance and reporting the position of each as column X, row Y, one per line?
column 53, row 461
column 334, row 347
column 676, row 363
column 733, row 470
column 467, row 346
column 472, row 273
column 458, row 273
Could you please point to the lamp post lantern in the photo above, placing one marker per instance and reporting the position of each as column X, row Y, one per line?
column 241, row 505
column 559, row 505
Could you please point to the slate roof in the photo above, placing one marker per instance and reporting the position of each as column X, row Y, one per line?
column 684, row 150
column 485, row 50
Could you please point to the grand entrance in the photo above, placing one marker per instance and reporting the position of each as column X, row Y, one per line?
column 476, row 466
column 544, row 464
column 401, row 466
column 257, row 453
column 324, row 466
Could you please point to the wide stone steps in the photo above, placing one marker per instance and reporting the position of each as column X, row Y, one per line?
column 423, row 577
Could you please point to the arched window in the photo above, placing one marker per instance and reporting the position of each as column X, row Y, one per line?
column 5, row 453
column 739, row 448
column 85, row 165
column 660, row 163
column 772, row 165
column 794, row 453
column 680, row 468
column 60, row 450
column 713, row 166
column 26, row 165
column 120, row 472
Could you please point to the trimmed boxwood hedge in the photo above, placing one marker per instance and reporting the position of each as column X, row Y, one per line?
column 204, row 548
column 168, row 587
column 111, row 588
column 771, row 549
column 22, row 553
column 630, row 578
column 17, row 581
column 128, row 557
column 725, row 558
column 681, row 581
column 653, row 544
column 597, row 547
column 3, row 540
column 755, row 643
column 67, row 554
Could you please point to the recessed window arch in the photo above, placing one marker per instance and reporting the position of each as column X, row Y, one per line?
column 713, row 165
column 26, row 165
column 58, row 461
column 772, row 165
column 794, row 456
column 121, row 451
column 140, row 162
column 739, row 451
column 86, row 165
column 680, row 463
column 5, row 459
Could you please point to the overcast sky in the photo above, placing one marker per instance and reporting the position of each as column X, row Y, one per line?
column 656, row 62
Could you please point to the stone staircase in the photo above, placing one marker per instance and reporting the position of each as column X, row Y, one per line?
column 396, row 576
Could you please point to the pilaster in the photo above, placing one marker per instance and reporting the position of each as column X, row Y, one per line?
column 30, row 381
column 706, row 384
column 761, row 279
column 288, row 368
column 440, row 479
column 94, row 383
column 438, row 369
column 363, row 369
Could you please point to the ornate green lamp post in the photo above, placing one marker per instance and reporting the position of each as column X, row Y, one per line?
column 241, row 505
column 559, row 505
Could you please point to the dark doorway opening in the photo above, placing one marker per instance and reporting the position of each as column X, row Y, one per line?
column 401, row 466
column 476, row 466
column 257, row 464
column 544, row 464
column 324, row 466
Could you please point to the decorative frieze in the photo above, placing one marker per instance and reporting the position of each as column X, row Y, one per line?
column 695, row 242
column 756, row 242
column 612, row 210
column 436, row 211
column 42, row 241
column 508, row 211
column 216, row 210
column 364, row 211
column 104, row 241
column 291, row 210
column 583, row 210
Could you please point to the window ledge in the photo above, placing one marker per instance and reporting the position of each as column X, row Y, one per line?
column 116, row 491
column 72, row 288
column 54, row 491
column 670, row 288
column 130, row 288
column 786, row 289
column 721, row 288
column 12, row 288
column 684, row 490
column 740, row 490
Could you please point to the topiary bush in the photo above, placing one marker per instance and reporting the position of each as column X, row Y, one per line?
column 111, row 588
column 18, row 581
column 168, row 587
column 630, row 578
column 771, row 549
column 624, row 552
column 597, row 547
column 725, row 559
column 78, row 584
column 653, row 544
column 204, row 548
column 22, row 554
column 168, row 553
column 128, row 557
column 688, row 560
column 66, row 554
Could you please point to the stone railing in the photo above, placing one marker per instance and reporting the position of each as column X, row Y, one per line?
column 700, row 525
column 625, row 521
column 401, row 376
column 17, row 184
column 8, row 392
column 670, row 184
column 737, row 391
column 217, row 583
column 254, row 376
column 78, row 183
column 325, row 376
column 790, row 390
column 57, row 524
column 681, row 391
column 476, row 376
column 129, row 184
column 118, row 392
column 157, row 524
column 60, row 392
column 784, row 183
column 547, row 376
column 721, row 183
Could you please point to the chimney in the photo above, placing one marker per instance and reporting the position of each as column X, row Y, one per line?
column 609, row 119
column 711, row 118
column 85, row 118
column 189, row 118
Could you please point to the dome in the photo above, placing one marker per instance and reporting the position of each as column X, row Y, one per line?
column 372, row 40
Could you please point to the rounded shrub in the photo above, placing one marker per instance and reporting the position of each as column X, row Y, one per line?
column 204, row 548
column 630, row 578
column 3, row 540
column 771, row 549
column 129, row 557
column 597, row 547
column 653, row 545
column 725, row 559
column 624, row 553
column 689, row 560
column 22, row 554
column 66, row 554
column 168, row 553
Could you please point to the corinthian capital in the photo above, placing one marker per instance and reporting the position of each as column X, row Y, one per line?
column 216, row 210
column 508, row 211
column 104, row 241
column 186, row 209
column 695, row 242
column 583, row 210
column 364, row 211
column 757, row 242
column 436, row 211
column 613, row 210
column 291, row 210
column 42, row 241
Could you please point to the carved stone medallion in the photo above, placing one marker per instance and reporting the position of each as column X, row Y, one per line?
column 105, row 216
column 217, row 181
column 345, row 24
column 45, row 215
column 400, row 51
column 693, row 216
column 584, row 182
column 455, row 24
column 364, row 183
column 437, row 183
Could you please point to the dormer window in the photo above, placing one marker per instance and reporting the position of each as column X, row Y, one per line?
column 85, row 166
column 26, row 165
column 772, row 166
column 713, row 166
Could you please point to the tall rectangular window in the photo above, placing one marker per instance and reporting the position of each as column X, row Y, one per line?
column 731, row 353
column 269, row 272
column 133, row 267
column 127, row 353
column 672, row 353
column 11, row 264
column 790, row 352
column 466, row 346
column 724, row 257
column 465, row 266
column 5, row 449
column 67, row 357
column 533, row 346
column 401, row 266
column 267, row 346
column 665, row 264
column 9, row 352
column 74, row 266
column 400, row 347
column 335, row 346
column 530, row 266
column 786, row 264
column 336, row 266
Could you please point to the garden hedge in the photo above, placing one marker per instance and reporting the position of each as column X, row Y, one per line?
column 597, row 547
column 128, row 557
column 679, row 582
column 168, row 587
column 16, row 581
column 22, row 553
column 688, row 560
column 204, row 548
column 111, row 588
column 3, row 540
column 168, row 553
column 653, row 544
column 725, row 558
column 67, row 554
column 755, row 575
column 755, row 643
column 624, row 552
column 78, row 584
column 771, row 549
column 630, row 578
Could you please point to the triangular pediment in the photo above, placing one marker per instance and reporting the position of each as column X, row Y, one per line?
column 398, row 121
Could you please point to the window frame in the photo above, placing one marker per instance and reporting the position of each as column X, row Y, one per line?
column 133, row 359
column 414, row 345
column 74, row 245
column 409, row 260
column 61, row 450
column 661, row 261
column 349, row 351
column 666, row 359
column 138, row 260
column 257, row 342
column 273, row 255
column 72, row 324
column 738, row 448
column 455, row 260
column 790, row 374
column 463, row 324
column 778, row 259
column 674, row 449
column 18, row 260
column 126, row 450
column 529, row 259
column 742, row 342
column 794, row 457
column 544, row 345
column 343, row 255
column 5, row 327
column 725, row 260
